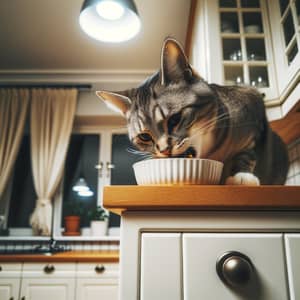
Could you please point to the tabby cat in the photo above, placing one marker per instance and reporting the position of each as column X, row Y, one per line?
column 176, row 113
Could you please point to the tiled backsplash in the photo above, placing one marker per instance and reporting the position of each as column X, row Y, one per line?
column 294, row 170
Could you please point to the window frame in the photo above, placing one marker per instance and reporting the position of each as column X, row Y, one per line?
column 105, row 155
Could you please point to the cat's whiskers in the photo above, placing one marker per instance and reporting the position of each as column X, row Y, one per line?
column 141, row 153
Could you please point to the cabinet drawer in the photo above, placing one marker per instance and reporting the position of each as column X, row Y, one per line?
column 98, row 270
column 266, row 269
column 49, row 269
column 160, row 266
column 292, row 242
column 8, row 270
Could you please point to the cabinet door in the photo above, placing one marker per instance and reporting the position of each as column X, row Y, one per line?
column 10, row 278
column 160, row 266
column 292, row 242
column 267, row 274
column 95, row 289
column 9, row 288
column 97, row 281
column 47, row 289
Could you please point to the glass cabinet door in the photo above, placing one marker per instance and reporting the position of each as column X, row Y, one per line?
column 285, row 26
column 245, row 58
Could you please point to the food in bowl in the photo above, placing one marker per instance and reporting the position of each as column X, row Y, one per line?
column 178, row 171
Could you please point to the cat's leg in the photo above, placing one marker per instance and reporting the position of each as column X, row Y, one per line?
column 242, row 169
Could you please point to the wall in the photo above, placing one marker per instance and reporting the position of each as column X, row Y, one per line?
column 294, row 171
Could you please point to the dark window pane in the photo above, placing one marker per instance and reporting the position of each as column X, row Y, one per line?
column 122, row 173
column 23, row 197
column 259, row 76
column 229, row 23
column 288, row 28
column 283, row 5
column 232, row 49
column 252, row 22
column 297, row 3
column 292, row 53
column 82, row 156
column 250, row 3
column 233, row 75
column 255, row 49
column 227, row 3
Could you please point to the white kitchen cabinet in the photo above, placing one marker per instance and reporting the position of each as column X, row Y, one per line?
column 267, row 274
column 10, row 278
column 256, row 43
column 160, row 266
column 292, row 243
column 97, row 281
column 173, row 255
column 48, row 281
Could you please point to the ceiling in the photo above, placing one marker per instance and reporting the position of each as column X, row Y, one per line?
column 42, row 40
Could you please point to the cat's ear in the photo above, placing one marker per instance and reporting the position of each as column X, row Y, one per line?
column 119, row 102
column 174, row 63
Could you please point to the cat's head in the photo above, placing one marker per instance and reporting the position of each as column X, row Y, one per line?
column 167, row 114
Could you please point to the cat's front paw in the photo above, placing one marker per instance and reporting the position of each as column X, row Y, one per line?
column 242, row 178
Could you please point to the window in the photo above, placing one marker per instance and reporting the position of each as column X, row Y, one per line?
column 81, row 160
column 23, row 195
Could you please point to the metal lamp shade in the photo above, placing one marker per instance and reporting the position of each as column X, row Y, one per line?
column 114, row 30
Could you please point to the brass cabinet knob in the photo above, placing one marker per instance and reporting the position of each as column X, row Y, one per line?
column 23, row 298
column 12, row 298
column 234, row 268
column 49, row 269
column 99, row 269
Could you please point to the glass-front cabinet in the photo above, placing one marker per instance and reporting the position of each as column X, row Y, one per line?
column 248, row 42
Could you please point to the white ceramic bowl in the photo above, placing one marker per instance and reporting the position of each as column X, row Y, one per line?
column 179, row 171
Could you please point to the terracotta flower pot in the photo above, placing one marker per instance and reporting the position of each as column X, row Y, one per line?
column 72, row 225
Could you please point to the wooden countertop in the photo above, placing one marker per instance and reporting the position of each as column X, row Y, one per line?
column 199, row 197
column 67, row 256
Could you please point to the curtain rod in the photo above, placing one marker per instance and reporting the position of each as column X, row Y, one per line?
column 80, row 87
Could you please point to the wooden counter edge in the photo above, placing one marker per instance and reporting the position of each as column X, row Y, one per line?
column 66, row 256
column 123, row 198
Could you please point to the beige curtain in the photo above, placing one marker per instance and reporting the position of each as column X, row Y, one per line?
column 52, row 115
column 13, row 111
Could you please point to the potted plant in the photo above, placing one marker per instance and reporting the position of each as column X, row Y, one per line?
column 73, row 212
column 99, row 221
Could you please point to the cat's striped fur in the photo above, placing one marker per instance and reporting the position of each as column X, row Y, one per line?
column 176, row 113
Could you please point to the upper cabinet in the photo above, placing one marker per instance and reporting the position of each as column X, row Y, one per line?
column 255, row 43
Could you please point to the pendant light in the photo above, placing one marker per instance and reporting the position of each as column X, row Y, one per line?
column 110, row 20
column 80, row 185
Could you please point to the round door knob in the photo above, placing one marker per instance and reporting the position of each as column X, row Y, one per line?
column 234, row 268
column 99, row 269
column 48, row 269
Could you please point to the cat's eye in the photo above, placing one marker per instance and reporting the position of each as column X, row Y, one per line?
column 145, row 137
column 173, row 121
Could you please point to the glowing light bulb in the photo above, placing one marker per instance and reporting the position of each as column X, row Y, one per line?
column 110, row 10
column 88, row 193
